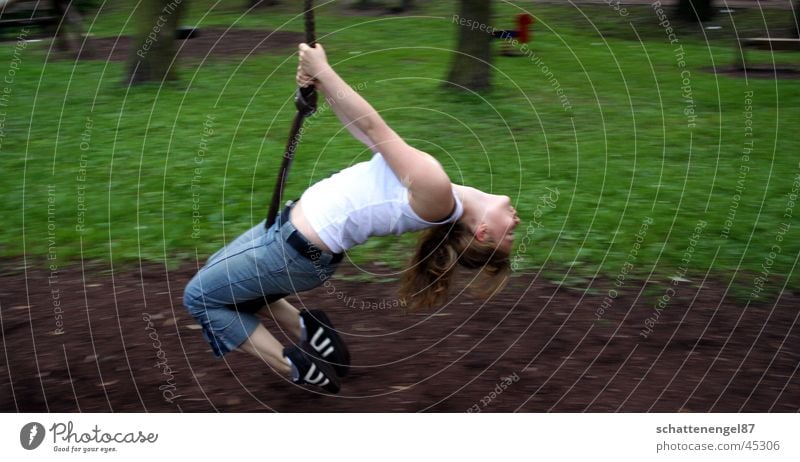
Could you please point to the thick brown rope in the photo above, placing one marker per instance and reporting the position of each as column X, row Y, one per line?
column 306, row 103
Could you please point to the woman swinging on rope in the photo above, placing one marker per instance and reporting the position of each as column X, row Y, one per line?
column 401, row 189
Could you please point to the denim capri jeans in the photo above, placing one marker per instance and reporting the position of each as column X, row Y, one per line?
column 257, row 267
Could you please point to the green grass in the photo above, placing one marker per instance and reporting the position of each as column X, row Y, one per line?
column 622, row 151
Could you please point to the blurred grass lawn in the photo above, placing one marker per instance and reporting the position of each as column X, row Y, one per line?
column 621, row 152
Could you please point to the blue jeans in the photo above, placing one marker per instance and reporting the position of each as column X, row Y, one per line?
column 238, row 279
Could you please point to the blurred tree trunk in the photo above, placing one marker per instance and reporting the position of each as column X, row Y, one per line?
column 471, row 67
column 69, row 33
column 796, row 25
column 694, row 10
column 151, row 59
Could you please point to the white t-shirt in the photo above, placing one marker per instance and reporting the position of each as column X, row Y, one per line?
column 366, row 199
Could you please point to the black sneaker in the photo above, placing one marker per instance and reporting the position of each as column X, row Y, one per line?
column 325, row 342
column 312, row 371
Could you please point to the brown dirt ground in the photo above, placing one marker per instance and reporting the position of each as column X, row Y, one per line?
column 209, row 41
column 762, row 72
column 237, row 43
column 705, row 353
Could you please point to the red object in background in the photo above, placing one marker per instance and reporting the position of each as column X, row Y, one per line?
column 524, row 20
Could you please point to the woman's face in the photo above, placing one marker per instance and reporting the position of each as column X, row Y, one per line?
column 501, row 219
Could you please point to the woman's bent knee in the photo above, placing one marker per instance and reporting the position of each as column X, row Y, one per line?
column 192, row 298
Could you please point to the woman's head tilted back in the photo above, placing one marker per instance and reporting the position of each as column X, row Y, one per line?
column 481, row 240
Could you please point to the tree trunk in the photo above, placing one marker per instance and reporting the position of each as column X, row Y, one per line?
column 695, row 10
column 69, row 33
column 151, row 59
column 471, row 67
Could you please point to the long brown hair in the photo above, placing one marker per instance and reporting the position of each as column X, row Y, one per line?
column 427, row 282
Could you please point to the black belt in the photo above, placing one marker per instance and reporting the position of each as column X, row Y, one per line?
column 299, row 243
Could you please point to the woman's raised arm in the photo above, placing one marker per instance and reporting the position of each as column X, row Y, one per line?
column 428, row 183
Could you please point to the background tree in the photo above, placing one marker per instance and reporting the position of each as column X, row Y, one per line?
column 154, row 45
column 694, row 10
column 69, row 33
column 471, row 67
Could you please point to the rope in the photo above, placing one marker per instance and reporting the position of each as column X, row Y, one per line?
column 305, row 101
column 311, row 40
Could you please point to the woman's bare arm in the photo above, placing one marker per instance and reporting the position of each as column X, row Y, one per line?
column 304, row 80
